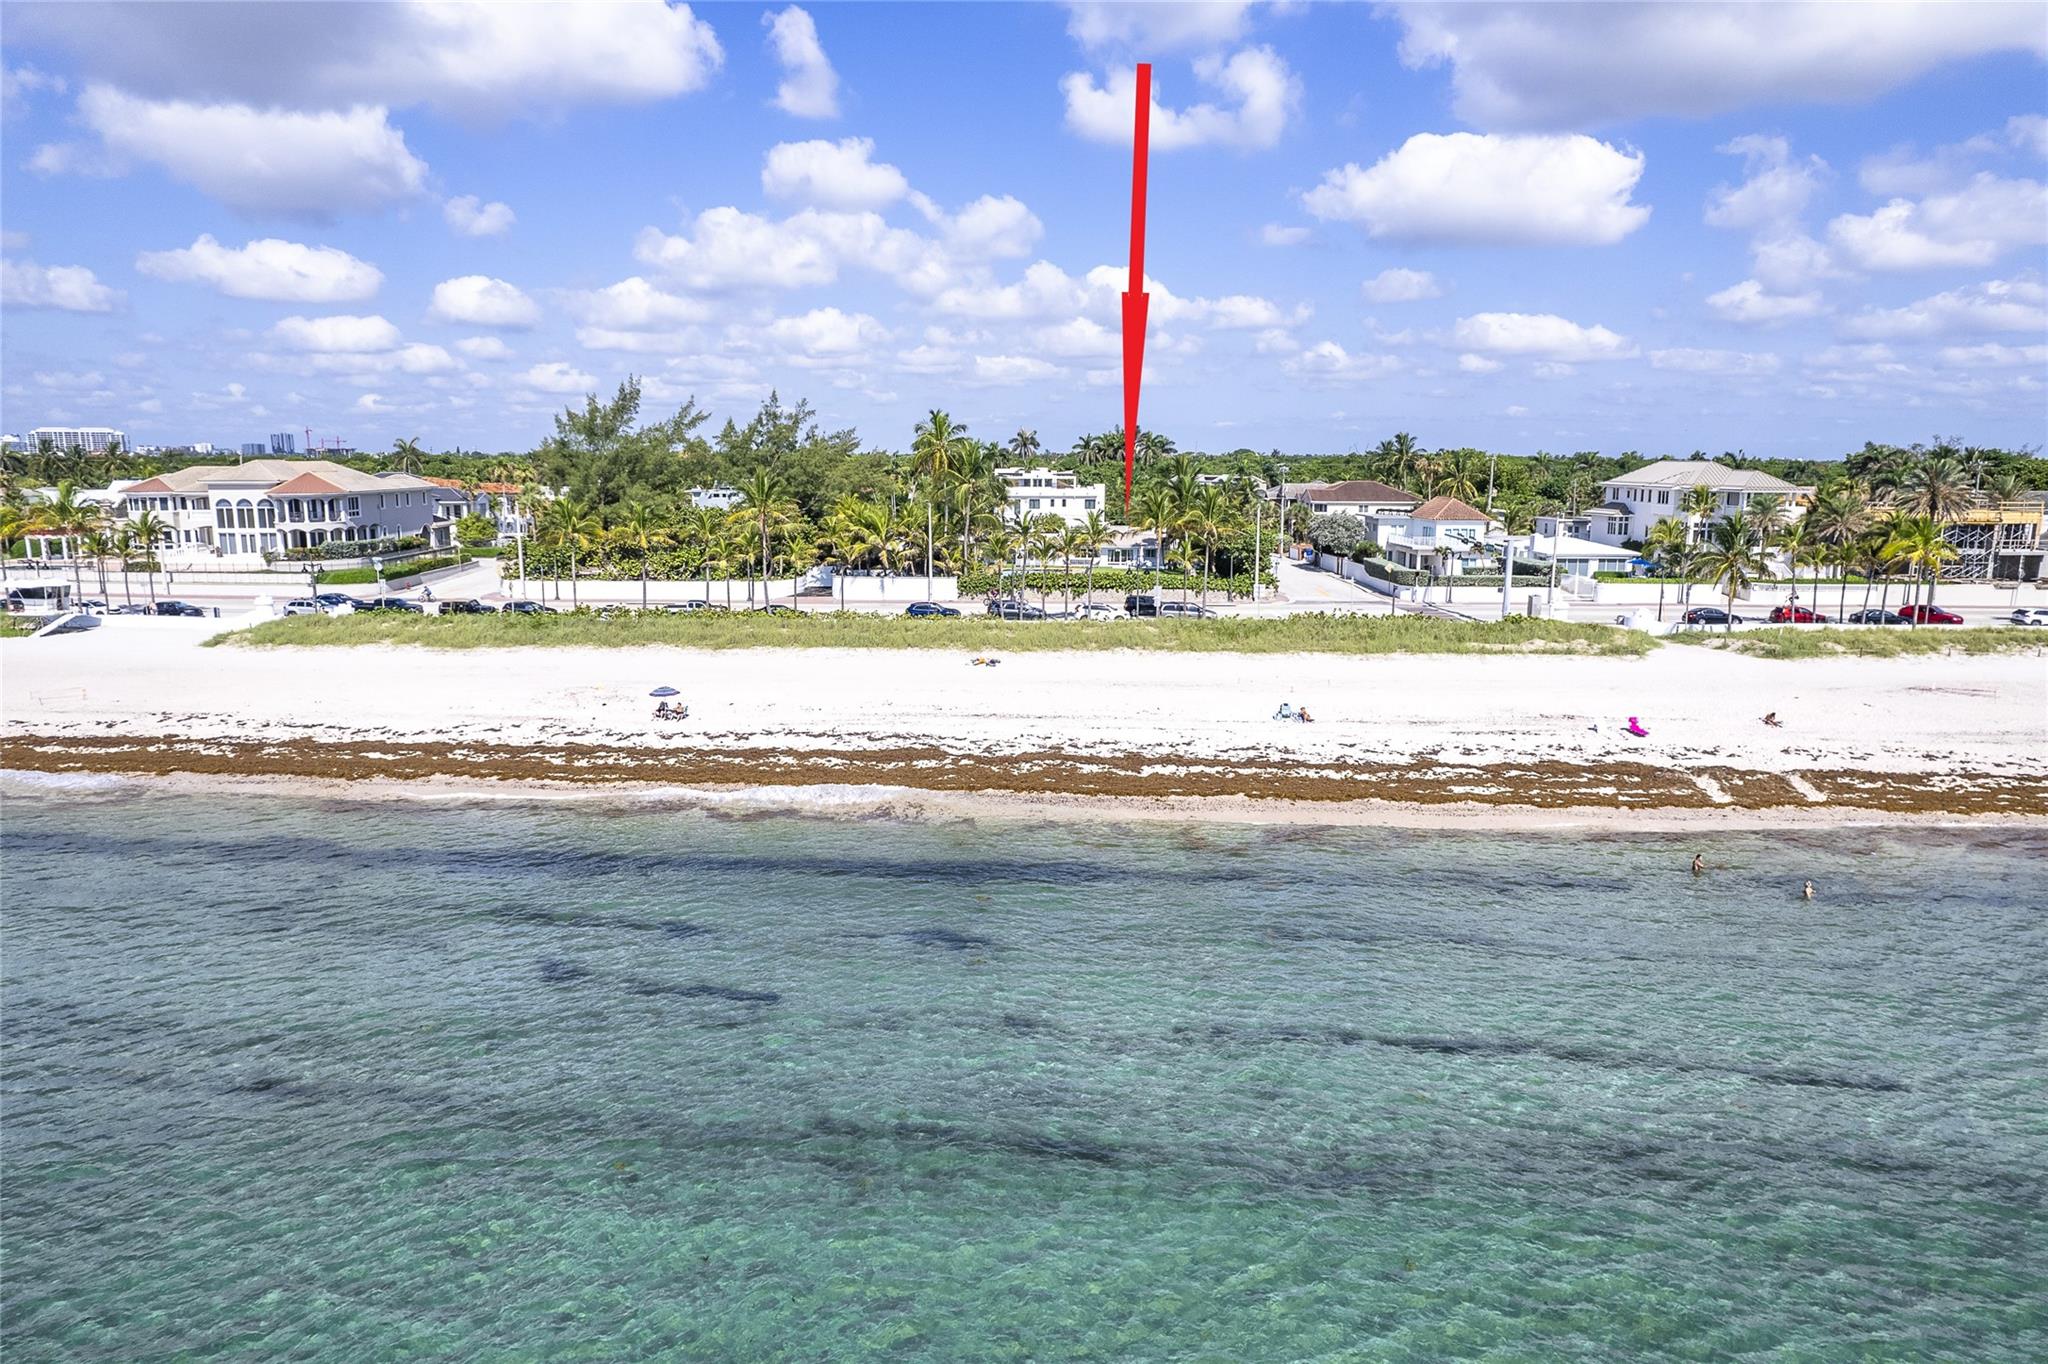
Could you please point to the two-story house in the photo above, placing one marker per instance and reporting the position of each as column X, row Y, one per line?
column 1639, row 499
column 270, row 506
column 1444, row 536
column 1032, row 493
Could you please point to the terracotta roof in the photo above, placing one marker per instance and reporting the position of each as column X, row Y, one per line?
column 148, row 485
column 304, row 483
column 1448, row 509
column 1358, row 490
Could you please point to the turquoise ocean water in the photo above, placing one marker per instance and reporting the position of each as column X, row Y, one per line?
column 298, row 1079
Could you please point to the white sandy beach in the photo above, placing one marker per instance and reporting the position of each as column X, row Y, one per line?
column 1703, row 708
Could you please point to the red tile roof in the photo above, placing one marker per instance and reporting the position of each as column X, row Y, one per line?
column 304, row 483
column 148, row 485
column 1448, row 509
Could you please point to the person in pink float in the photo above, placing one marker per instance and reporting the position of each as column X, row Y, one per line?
column 1635, row 727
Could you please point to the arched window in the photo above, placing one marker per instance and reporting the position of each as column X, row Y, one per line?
column 245, row 514
column 224, row 514
column 266, row 514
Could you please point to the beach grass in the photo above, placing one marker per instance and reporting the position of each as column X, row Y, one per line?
column 1331, row 634
column 1895, row 641
column 17, row 627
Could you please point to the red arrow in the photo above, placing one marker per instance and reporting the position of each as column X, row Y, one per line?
column 1136, row 300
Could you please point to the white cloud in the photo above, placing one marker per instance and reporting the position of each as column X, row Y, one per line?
column 482, row 302
column 1542, row 336
column 2029, row 132
column 1010, row 369
column 1791, row 262
column 826, row 332
column 1080, row 337
column 267, row 268
column 1265, row 95
column 1402, row 286
column 557, row 376
column 1969, row 227
column 1328, row 362
column 1274, row 234
column 1727, row 362
column 18, row 82
column 469, row 60
column 1991, row 355
column 840, row 174
column 304, row 165
column 472, row 217
column 728, row 249
column 1749, row 302
column 989, row 227
column 67, row 379
column 13, row 241
column 1158, row 25
column 1471, row 187
column 1999, row 305
column 810, row 87
column 484, row 348
column 372, row 402
column 1776, row 192
column 640, row 342
column 633, row 305
column 340, row 332
column 71, row 288
column 1477, row 364
column 1533, row 65
column 1517, row 410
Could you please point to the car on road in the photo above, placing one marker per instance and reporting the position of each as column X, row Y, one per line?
column 1796, row 615
column 166, row 607
column 304, row 606
column 468, row 606
column 95, row 607
column 1015, row 610
column 389, row 604
column 1186, row 610
column 1874, row 615
column 930, row 608
column 2029, row 615
column 330, row 600
column 526, row 608
column 684, row 608
column 1141, row 604
column 1927, row 614
column 129, row 609
column 1708, row 615
column 1096, row 611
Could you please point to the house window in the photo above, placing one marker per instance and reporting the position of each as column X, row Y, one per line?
column 355, row 504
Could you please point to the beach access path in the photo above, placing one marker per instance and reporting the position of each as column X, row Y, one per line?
column 1926, row 733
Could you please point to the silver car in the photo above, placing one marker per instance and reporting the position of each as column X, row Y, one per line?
column 304, row 606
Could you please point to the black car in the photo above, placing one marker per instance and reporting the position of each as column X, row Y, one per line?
column 178, row 608
column 333, row 599
column 526, row 608
column 1141, row 604
column 929, row 608
column 388, row 604
column 470, row 607
column 1875, row 616
column 1708, row 615
column 1015, row 610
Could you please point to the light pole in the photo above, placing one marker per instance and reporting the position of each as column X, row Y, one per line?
column 927, row 549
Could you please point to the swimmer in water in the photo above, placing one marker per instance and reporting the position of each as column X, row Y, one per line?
column 1808, row 892
column 1699, row 863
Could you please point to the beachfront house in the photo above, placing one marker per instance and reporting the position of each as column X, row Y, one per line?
column 1032, row 493
column 498, row 503
column 718, row 497
column 1635, row 501
column 1444, row 536
column 239, row 513
column 1359, row 497
column 1130, row 547
column 1564, row 537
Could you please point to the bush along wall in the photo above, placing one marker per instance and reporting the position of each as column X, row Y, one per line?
column 982, row 581
column 1408, row 577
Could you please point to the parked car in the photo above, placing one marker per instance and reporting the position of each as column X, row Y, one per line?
column 95, row 606
column 1708, row 615
column 689, row 607
column 389, row 604
column 1141, row 604
column 1929, row 615
column 2030, row 615
column 129, row 609
column 304, row 606
column 1186, row 610
column 526, row 608
column 330, row 600
column 1015, row 610
column 1796, row 615
column 1096, row 611
column 1874, row 615
column 929, row 608
column 166, row 607
column 469, row 606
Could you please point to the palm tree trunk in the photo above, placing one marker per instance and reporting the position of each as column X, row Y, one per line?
column 1208, row 560
column 575, row 597
column 643, row 580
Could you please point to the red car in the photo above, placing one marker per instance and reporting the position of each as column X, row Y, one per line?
column 1929, row 615
column 1796, row 615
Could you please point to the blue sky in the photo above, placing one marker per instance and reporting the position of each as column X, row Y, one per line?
column 1782, row 228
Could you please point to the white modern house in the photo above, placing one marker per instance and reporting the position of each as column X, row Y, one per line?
column 1032, row 493
column 1564, row 538
column 241, row 512
column 1639, row 499
column 717, row 497
column 498, row 503
column 1443, row 535
column 1359, row 497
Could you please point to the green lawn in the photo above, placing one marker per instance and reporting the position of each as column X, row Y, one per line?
column 1285, row 635
column 17, row 627
column 1887, row 642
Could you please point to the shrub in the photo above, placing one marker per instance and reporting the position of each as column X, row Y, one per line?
column 344, row 576
column 1336, row 533
column 473, row 530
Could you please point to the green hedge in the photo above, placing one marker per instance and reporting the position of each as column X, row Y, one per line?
column 356, row 549
column 982, row 581
column 1409, row 577
column 343, row 577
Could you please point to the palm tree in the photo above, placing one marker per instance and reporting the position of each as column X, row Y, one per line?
column 571, row 525
column 124, row 545
column 1024, row 445
column 767, row 511
column 406, row 454
column 1207, row 518
column 1089, row 538
column 65, row 514
column 1668, row 545
column 702, row 529
column 1151, row 447
column 1936, row 488
column 936, row 447
column 1839, row 515
column 1918, row 542
column 642, row 528
column 98, row 545
column 1042, row 541
column 1698, row 504
column 1731, row 557
column 149, row 530
column 17, row 522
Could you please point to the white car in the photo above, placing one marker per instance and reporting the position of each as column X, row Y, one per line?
column 1096, row 611
column 2030, row 615
column 304, row 606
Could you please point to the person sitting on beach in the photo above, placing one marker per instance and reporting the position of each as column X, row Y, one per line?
column 1773, row 721
column 1635, row 727
column 1286, row 711
column 1304, row 717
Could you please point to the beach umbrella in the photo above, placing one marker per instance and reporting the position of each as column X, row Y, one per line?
column 664, row 691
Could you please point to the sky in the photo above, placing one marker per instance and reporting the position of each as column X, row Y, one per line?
column 1785, row 228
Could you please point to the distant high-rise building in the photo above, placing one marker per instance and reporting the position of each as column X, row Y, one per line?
column 283, row 443
column 255, row 447
column 91, row 439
